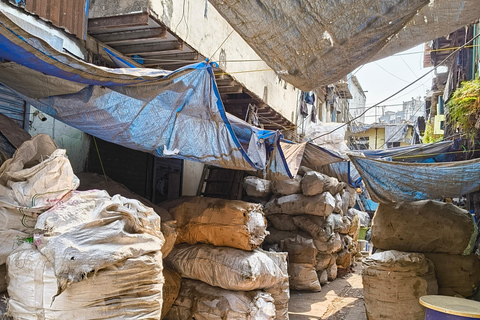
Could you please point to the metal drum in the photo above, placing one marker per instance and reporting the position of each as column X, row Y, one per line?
column 450, row 308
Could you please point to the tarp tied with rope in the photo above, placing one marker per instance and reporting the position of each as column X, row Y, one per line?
column 392, row 181
column 432, row 152
column 169, row 114
column 311, row 43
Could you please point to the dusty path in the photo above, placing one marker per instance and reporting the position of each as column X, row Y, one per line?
column 341, row 299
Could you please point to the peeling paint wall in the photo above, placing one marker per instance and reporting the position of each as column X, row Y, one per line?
column 73, row 140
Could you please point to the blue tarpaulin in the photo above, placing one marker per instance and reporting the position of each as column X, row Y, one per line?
column 435, row 152
column 169, row 114
column 392, row 181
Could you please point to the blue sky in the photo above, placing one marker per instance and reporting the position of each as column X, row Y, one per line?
column 384, row 77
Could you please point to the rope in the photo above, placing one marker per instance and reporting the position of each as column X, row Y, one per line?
column 101, row 163
column 407, row 86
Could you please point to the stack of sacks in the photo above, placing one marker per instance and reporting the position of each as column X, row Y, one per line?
column 218, row 244
column 393, row 281
column 94, row 256
column 317, row 208
column 32, row 181
column 444, row 233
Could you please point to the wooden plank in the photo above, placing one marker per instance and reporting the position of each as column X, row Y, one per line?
column 100, row 25
column 149, row 48
column 97, row 47
column 124, row 37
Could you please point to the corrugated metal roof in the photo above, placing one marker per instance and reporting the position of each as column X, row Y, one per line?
column 66, row 14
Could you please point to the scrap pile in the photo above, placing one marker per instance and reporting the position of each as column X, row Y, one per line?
column 438, row 235
column 225, row 275
column 74, row 254
column 426, row 247
column 312, row 218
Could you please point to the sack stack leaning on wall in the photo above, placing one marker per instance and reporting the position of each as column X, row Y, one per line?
column 70, row 251
column 312, row 218
column 225, row 274
column 439, row 233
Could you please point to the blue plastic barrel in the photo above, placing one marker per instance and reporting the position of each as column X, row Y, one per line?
column 450, row 308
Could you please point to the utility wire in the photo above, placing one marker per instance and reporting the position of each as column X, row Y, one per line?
column 407, row 86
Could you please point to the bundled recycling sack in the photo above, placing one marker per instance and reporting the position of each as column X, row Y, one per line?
column 33, row 180
column 349, row 197
column 128, row 289
column 234, row 269
column 281, row 291
column 319, row 205
column 322, row 230
column 287, row 187
column 198, row 300
column 456, row 274
column 393, row 281
column 314, row 183
column 9, row 241
column 257, row 187
column 301, row 265
column 282, row 222
column 171, row 288
column 89, row 181
column 230, row 223
column 426, row 226
column 91, row 230
column 225, row 267
column 324, row 260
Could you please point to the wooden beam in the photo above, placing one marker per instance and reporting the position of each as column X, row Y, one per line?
column 129, row 21
column 230, row 89
column 149, row 48
column 97, row 47
column 132, row 36
column 169, row 58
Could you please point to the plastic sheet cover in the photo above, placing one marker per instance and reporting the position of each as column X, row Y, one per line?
column 169, row 114
column 431, row 152
column 391, row 181
column 309, row 43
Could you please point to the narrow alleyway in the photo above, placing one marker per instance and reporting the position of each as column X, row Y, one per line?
column 341, row 299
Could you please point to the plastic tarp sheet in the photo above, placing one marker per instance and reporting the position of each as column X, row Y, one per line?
column 169, row 114
column 396, row 133
column 306, row 47
column 392, row 181
column 429, row 23
column 415, row 153
column 309, row 42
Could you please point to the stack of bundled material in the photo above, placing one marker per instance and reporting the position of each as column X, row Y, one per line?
column 443, row 232
column 32, row 181
column 225, row 274
column 393, row 281
column 438, row 232
column 311, row 218
column 88, row 247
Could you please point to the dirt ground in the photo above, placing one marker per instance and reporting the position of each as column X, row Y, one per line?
column 341, row 299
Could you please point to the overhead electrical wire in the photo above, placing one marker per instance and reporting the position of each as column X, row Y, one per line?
column 397, row 92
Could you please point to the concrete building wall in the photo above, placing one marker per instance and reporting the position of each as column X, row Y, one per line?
column 358, row 102
column 200, row 25
column 73, row 140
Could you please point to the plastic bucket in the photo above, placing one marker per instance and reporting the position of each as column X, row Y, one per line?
column 437, row 315
column 450, row 308
column 363, row 233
